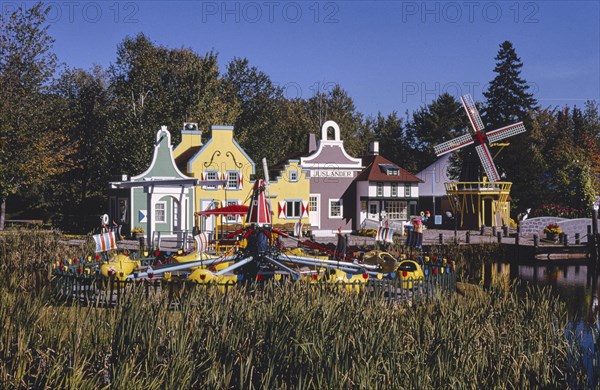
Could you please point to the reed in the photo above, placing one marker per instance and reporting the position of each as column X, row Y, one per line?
column 282, row 336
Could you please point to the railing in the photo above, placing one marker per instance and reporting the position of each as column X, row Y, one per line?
column 171, row 239
column 101, row 292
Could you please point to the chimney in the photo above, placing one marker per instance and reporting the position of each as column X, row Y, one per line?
column 312, row 143
column 190, row 135
column 374, row 148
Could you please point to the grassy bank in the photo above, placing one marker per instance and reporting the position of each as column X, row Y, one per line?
column 275, row 339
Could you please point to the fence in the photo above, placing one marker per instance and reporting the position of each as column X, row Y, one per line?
column 98, row 291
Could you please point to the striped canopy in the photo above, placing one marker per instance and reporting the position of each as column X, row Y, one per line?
column 231, row 210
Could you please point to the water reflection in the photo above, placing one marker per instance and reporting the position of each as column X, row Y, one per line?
column 577, row 285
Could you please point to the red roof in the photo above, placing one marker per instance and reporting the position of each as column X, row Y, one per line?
column 375, row 170
column 231, row 210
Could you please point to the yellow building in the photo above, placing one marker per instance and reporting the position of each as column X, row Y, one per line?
column 223, row 168
column 289, row 194
column 223, row 162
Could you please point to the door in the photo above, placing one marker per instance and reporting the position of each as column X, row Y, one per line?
column 314, row 202
column 207, row 224
column 374, row 211
column 176, row 224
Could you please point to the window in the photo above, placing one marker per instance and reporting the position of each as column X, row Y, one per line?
column 160, row 213
column 211, row 175
column 379, row 189
column 389, row 169
column 394, row 189
column 396, row 210
column 363, row 205
column 313, row 205
column 407, row 190
column 293, row 208
column 232, row 180
column 373, row 208
column 336, row 208
column 293, row 175
column 231, row 218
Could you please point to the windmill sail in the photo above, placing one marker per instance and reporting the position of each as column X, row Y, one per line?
column 479, row 138
column 453, row 144
column 487, row 162
column 505, row 132
column 469, row 104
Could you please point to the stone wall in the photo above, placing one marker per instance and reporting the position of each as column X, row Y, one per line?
column 568, row 226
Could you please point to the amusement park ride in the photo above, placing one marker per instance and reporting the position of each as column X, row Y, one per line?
column 482, row 202
column 257, row 256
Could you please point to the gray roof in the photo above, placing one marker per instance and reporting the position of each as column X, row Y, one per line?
column 434, row 177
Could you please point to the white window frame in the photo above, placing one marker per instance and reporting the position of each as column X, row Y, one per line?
column 341, row 201
column 231, row 219
column 293, row 176
column 407, row 190
column 379, row 185
column 229, row 178
column 211, row 186
column 288, row 209
column 397, row 210
column 394, row 190
column 313, row 203
column 373, row 206
column 164, row 209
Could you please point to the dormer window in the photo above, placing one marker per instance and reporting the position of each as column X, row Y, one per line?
column 389, row 169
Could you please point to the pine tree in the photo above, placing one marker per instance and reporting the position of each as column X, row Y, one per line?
column 507, row 98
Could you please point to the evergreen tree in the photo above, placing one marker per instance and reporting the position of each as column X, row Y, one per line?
column 507, row 99
column 440, row 121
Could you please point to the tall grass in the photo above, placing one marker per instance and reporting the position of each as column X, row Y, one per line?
column 282, row 337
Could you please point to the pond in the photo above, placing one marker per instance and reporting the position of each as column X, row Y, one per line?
column 578, row 286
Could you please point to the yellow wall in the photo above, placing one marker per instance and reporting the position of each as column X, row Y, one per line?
column 221, row 154
column 283, row 189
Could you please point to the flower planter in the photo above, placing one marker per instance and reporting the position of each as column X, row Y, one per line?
column 551, row 236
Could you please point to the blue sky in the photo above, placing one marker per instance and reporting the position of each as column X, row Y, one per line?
column 389, row 55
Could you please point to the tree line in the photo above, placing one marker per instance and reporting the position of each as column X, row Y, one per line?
column 65, row 132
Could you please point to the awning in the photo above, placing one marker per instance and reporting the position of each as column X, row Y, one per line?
column 231, row 210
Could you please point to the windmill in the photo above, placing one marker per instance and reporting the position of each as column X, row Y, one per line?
column 479, row 138
column 479, row 203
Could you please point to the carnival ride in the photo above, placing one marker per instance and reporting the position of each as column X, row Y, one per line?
column 258, row 255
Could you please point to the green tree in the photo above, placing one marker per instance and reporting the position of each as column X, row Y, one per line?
column 507, row 96
column 31, row 150
column 153, row 86
column 393, row 141
column 337, row 105
column 258, row 127
column 440, row 121
column 86, row 108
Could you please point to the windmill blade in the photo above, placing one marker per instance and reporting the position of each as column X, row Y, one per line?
column 505, row 132
column 487, row 162
column 453, row 144
column 469, row 104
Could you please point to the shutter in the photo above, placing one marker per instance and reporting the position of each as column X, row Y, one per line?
column 219, row 177
column 304, row 209
column 281, row 209
column 240, row 181
column 204, row 176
